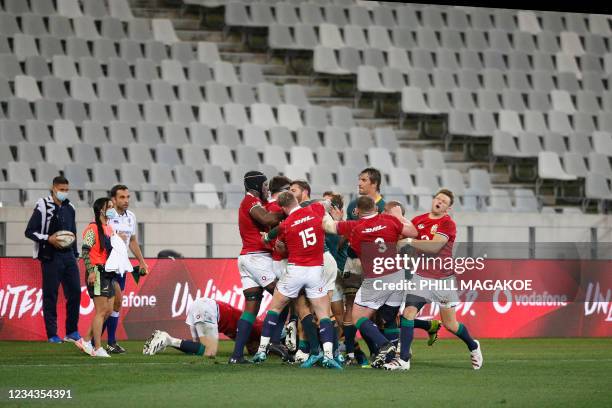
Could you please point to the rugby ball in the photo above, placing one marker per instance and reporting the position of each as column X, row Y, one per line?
column 65, row 238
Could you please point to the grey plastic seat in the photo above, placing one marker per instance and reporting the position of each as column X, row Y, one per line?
column 554, row 142
column 380, row 158
column 302, row 156
column 227, row 135
column 112, row 28
column 195, row 157
column 24, row 46
column 476, row 40
column 121, row 133
column 549, row 167
column 525, row 201
column 504, row 145
column 360, row 138
column 596, row 187
column 90, row 68
column 167, row 155
column 279, row 136
column 275, row 155
column 10, row 132
column 480, row 181
column 468, row 79
column 201, row 135
column 433, row 160
column 268, row 93
column 355, row 158
column 162, row 91
column 108, row 90
column 354, row 36
column 574, row 164
column 104, row 50
column 216, row 93
column 422, row 59
column 29, row 153
column 64, row 132
column 101, row 112
column 328, row 157
column 58, row 152
column 374, row 57
column 469, row 59
column 156, row 51
column 379, row 38
column 580, row 143
column 175, row 134
column 37, row 132
column 46, row 111
column 136, row 90
column 255, row 137
column 139, row 29
column 505, row 19
column 185, row 175
column 517, row 80
column 493, row 79
column 602, row 143
column 182, row 113
column 130, row 50
column 77, row 47
column 599, row 163
column 163, row 31
column 251, row 73
column 182, row 52
column 172, row 71
column 584, row 122
column 567, row 81
column 349, row 59
column 27, row 88
column 81, row 89
column 148, row 134
column 489, row 100
column 559, row 122
column 513, row 100
column 595, row 44
column 451, row 39
column 235, row 115
column 60, row 27
column 427, row 178
column 221, row 155
column 341, row 116
column 8, row 25
column 295, row 94
column 84, row 153
column 190, row 93
column 49, row 46
column 305, row 36
column 438, row 100
column 129, row 111
column 205, row 195
column 94, row 134
column 403, row 38
column 316, row 116
column 140, row 155
column 334, row 137
column 225, row 73
column 33, row 24
column 499, row 201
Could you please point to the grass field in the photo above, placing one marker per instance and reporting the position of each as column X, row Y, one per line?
column 516, row 373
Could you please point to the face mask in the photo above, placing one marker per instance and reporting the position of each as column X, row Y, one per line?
column 111, row 213
column 61, row 196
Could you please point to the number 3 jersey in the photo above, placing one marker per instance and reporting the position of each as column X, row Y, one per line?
column 375, row 228
column 303, row 235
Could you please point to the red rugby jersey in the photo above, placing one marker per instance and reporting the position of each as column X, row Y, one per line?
column 375, row 228
column 428, row 227
column 272, row 206
column 228, row 322
column 304, row 236
column 249, row 228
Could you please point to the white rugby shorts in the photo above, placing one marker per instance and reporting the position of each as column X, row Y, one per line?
column 256, row 270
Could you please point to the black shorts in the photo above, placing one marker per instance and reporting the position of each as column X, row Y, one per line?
column 104, row 284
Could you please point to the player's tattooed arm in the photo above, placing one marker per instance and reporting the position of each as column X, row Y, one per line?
column 263, row 217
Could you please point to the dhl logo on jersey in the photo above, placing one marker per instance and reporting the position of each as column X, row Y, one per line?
column 374, row 229
column 302, row 220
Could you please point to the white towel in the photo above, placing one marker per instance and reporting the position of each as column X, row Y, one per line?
column 118, row 261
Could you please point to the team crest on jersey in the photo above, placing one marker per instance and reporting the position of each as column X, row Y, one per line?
column 434, row 228
column 421, row 226
column 198, row 317
column 354, row 212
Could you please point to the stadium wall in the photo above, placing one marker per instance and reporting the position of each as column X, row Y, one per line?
column 199, row 233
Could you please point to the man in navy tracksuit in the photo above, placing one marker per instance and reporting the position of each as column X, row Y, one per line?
column 51, row 214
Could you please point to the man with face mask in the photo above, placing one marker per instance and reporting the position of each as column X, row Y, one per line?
column 52, row 214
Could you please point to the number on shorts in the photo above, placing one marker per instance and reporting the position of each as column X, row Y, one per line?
column 308, row 237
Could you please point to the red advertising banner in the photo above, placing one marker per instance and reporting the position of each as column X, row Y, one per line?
column 161, row 299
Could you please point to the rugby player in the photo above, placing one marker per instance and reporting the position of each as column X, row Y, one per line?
column 255, row 260
column 436, row 232
column 301, row 233
column 206, row 319
column 382, row 232
column 301, row 191
column 368, row 185
column 125, row 226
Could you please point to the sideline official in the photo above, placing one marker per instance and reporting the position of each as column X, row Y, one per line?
column 51, row 214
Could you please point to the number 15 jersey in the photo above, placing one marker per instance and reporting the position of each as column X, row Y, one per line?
column 303, row 235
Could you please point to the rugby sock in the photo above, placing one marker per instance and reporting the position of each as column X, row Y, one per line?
column 335, row 338
column 303, row 346
column 368, row 329
column 406, row 336
column 243, row 331
column 310, row 330
column 391, row 332
column 111, row 326
column 269, row 327
column 326, row 331
column 422, row 324
column 349, row 338
column 371, row 346
column 191, row 347
column 463, row 334
column 278, row 329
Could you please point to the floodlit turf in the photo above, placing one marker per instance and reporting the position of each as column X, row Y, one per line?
column 523, row 373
